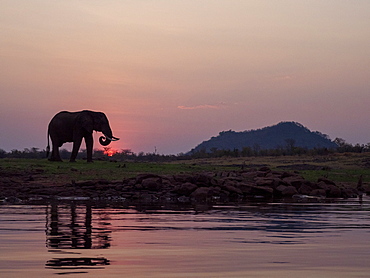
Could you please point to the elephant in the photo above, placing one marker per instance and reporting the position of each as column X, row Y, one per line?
column 72, row 127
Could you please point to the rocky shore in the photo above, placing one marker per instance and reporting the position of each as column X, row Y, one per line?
column 205, row 187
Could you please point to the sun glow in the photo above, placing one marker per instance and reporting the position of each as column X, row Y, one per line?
column 109, row 151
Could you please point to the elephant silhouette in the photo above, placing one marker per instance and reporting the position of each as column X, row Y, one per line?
column 73, row 127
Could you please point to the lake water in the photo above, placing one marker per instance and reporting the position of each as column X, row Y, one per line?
column 247, row 240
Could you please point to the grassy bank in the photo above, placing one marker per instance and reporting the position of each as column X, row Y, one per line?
column 339, row 167
column 61, row 172
column 347, row 167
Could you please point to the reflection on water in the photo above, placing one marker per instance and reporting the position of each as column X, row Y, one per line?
column 62, row 262
column 244, row 240
column 70, row 227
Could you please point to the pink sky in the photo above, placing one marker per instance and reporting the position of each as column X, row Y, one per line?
column 171, row 74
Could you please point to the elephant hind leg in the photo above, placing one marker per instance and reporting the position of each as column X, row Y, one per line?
column 55, row 156
column 55, row 159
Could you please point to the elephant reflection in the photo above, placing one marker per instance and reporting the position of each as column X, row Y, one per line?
column 71, row 227
column 74, row 227
column 72, row 127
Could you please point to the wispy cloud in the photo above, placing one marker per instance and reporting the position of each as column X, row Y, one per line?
column 204, row 106
column 283, row 77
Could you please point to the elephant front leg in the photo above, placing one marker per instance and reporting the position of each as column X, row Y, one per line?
column 76, row 147
column 89, row 147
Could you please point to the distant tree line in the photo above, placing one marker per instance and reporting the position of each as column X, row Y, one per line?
column 126, row 154
column 288, row 149
column 106, row 154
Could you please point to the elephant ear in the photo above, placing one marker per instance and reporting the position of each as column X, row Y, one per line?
column 85, row 121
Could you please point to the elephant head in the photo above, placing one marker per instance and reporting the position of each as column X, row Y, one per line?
column 98, row 121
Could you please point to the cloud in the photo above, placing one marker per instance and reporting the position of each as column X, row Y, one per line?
column 204, row 106
column 283, row 77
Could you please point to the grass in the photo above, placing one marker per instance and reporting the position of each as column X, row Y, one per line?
column 80, row 170
column 339, row 167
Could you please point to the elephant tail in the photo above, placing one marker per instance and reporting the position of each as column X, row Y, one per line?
column 48, row 147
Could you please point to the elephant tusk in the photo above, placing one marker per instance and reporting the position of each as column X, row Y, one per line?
column 111, row 139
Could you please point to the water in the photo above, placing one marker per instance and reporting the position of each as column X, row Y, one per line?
column 252, row 240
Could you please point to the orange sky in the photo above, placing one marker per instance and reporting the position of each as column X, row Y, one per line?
column 170, row 74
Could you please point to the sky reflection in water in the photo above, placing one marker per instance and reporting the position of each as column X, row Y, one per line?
column 254, row 240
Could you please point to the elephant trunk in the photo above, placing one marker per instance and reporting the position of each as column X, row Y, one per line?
column 104, row 141
column 107, row 138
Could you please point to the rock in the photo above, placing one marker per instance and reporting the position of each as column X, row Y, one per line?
column 153, row 184
column 186, row 189
column 325, row 180
column 323, row 185
column 334, row 191
column 215, row 191
column 200, row 194
column 318, row 192
column 289, row 190
column 286, row 190
column 331, row 189
column 167, row 184
column 223, row 196
column 130, row 182
column 260, row 174
column 280, row 188
column 139, row 178
column 215, row 182
column 182, row 178
column 138, row 186
column 231, row 181
column 264, row 181
column 83, row 183
column 245, row 187
column 305, row 189
column 105, row 182
column 295, row 181
column 202, row 179
column 264, row 169
column 232, row 174
column 349, row 193
column 250, row 174
column 261, row 191
column 232, row 189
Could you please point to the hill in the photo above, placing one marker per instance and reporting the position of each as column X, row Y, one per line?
column 282, row 135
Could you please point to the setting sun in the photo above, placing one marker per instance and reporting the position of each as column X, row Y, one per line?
column 109, row 151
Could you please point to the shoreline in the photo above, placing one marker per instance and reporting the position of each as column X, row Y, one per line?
column 205, row 187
